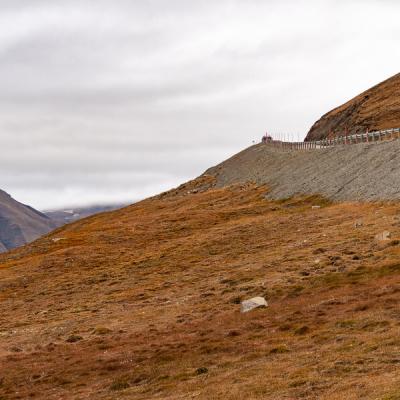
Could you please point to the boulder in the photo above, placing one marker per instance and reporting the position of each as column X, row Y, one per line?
column 255, row 302
column 383, row 236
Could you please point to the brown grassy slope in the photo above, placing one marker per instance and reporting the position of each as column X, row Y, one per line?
column 142, row 303
column 375, row 109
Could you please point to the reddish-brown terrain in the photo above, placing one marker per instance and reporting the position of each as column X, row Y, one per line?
column 143, row 302
column 376, row 109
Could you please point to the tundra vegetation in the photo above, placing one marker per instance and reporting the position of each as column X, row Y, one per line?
column 144, row 302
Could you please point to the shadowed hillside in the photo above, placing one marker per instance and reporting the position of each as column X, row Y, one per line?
column 375, row 109
column 143, row 302
column 20, row 224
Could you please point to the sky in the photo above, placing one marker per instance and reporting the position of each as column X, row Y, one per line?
column 111, row 101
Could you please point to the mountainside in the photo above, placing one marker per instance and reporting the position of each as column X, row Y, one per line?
column 144, row 302
column 20, row 224
column 375, row 109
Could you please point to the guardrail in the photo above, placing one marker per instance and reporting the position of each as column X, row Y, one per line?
column 367, row 137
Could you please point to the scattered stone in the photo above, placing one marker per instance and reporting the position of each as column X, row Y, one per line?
column 201, row 370
column 255, row 302
column 55, row 240
column 383, row 236
column 358, row 224
column 74, row 339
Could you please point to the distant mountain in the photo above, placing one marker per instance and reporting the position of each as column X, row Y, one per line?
column 19, row 223
column 62, row 217
column 377, row 108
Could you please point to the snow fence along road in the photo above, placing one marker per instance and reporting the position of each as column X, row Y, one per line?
column 366, row 137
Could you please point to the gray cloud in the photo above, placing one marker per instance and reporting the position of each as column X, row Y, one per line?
column 115, row 101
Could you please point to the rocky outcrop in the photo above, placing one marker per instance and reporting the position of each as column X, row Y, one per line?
column 20, row 224
column 377, row 108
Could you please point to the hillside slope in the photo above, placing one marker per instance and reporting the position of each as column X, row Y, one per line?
column 375, row 109
column 20, row 224
column 143, row 302
column 355, row 172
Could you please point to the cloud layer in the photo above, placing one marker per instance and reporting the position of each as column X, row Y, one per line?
column 113, row 101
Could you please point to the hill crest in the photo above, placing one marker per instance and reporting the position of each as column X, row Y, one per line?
column 375, row 109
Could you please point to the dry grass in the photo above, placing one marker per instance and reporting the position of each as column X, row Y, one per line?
column 142, row 303
column 376, row 109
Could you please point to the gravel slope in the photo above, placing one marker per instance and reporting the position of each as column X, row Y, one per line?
column 369, row 171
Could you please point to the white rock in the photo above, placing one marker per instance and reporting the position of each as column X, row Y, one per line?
column 255, row 302
column 385, row 235
column 55, row 240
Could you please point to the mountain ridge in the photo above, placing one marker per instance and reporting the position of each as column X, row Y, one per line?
column 19, row 223
column 377, row 108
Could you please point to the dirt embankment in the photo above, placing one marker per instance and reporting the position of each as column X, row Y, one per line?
column 377, row 108
column 362, row 172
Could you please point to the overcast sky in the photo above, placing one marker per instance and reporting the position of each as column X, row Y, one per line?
column 107, row 101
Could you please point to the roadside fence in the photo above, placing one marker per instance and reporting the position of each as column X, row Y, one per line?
column 375, row 136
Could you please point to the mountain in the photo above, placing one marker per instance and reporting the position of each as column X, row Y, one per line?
column 375, row 109
column 144, row 302
column 19, row 223
column 66, row 216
